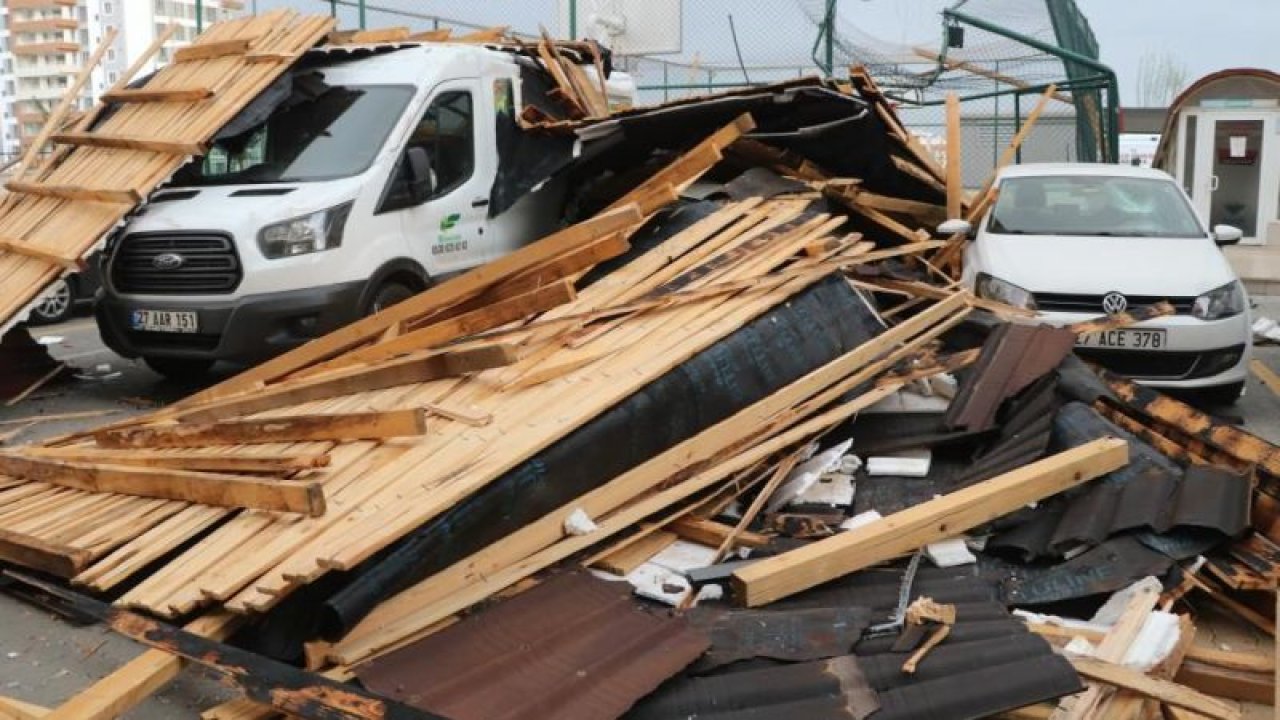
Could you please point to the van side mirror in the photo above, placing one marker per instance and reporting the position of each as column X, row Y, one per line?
column 418, row 167
column 956, row 226
column 1227, row 234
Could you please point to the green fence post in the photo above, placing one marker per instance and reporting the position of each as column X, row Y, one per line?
column 362, row 15
column 573, row 19
column 199, row 16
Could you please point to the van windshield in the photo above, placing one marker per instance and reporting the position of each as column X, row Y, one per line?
column 334, row 135
column 1093, row 205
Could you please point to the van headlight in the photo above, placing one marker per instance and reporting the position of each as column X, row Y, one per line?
column 993, row 288
column 307, row 234
column 1220, row 302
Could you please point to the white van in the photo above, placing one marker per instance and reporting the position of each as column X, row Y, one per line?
column 1074, row 241
column 361, row 180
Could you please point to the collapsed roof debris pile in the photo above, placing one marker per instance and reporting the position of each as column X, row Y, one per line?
column 742, row 456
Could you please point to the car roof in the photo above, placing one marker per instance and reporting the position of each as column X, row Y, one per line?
column 1093, row 169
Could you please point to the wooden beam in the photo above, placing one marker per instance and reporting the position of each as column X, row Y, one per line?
column 156, row 95
column 125, row 142
column 380, row 35
column 206, row 488
column 283, row 687
column 417, row 368
column 32, row 552
column 18, row 247
column 1112, row 648
column 15, row 709
column 712, row 533
column 75, row 193
column 955, row 180
column 198, row 461
column 1166, row 692
column 634, row 554
column 296, row 428
column 791, row 572
column 211, row 50
column 435, row 299
column 1244, row 685
column 953, row 64
column 1007, row 156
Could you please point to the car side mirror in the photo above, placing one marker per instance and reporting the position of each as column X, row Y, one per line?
column 956, row 226
column 418, row 167
column 1227, row 234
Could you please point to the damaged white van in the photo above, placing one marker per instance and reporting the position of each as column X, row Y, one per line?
column 354, row 182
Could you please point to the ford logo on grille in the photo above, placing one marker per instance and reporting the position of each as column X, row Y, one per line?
column 168, row 261
column 1114, row 303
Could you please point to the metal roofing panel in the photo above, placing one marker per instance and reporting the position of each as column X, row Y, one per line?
column 794, row 635
column 573, row 648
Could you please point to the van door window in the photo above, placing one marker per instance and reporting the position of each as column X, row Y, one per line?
column 447, row 133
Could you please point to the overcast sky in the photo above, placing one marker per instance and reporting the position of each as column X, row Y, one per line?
column 1200, row 35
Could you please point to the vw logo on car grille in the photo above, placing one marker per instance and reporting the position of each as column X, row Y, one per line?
column 1114, row 303
column 173, row 261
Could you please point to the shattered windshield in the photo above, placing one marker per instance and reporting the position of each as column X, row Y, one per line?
column 1093, row 205
column 334, row 135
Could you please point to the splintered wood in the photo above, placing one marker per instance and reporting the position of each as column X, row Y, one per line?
column 57, row 213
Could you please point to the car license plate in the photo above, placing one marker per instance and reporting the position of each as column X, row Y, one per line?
column 173, row 321
column 1125, row 339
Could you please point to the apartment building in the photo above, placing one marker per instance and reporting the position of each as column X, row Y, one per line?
column 44, row 43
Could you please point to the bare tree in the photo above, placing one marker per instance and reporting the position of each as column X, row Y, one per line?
column 1160, row 77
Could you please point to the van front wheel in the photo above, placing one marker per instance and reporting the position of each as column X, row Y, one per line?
column 185, row 370
column 389, row 293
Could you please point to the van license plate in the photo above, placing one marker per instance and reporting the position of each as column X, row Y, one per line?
column 1125, row 339
column 173, row 321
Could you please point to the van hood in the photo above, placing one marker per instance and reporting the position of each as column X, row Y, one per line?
column 1177, row 267
column 238, row 209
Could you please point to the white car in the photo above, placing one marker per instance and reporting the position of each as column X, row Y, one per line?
column 1075, row 241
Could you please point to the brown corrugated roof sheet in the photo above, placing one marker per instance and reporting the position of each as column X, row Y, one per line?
column 573, row 648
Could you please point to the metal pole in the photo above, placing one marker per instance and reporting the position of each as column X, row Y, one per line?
column 573, row 19
column 831, row 33
column 1017, row 126
column 199, row 16
column 333, row 9
column 1112, row 83
column 362, row 15
column 995, row 122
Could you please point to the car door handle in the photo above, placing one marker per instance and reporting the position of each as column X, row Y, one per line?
column 479, row 202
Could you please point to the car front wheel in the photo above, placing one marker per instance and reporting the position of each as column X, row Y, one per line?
column 56, row 307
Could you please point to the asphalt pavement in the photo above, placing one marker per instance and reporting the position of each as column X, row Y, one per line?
column 44, row 659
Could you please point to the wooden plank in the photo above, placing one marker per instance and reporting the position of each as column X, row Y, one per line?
column 380, row 35
column 157, row 95
column 283, row 687
column 955, row 180
column 263, row 463
column 432, row 300
column 215, row 49
column 75, row 192
column 70, row 262
column 137, row 679
column 15, row 709
column 1112, row 648
column 1243, row 685
column 712, row 533
column 783, row 575
column 32, row 552
column 1006, row 157
column 1166, row 692
column 36, row 385
column 417, row 368
column 953, row 64
column 205, row 488
column 633, row 555
column 127, row 142
column 692, row 164
column 296, row 428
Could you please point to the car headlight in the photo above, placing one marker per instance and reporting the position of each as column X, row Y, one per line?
column 993, row 288
column 307, row 234
column 1220, row 302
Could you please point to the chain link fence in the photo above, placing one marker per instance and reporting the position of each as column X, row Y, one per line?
column 997, row 55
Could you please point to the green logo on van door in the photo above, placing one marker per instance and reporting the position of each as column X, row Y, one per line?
column 448, row 221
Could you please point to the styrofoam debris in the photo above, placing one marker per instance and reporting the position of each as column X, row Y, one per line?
column 1264, row 328
column 1079, row 647
column 50, row 339
column 682, row 555
column 833, row 488
column 950, row 553
column 945, row 385
column 908, row 463
column 806, row 474
column 1114, row 607
column 1157, row 638
column 664, row 585
column 863, row 518
column 850, row 463
column 908, row 402
column 579, row 523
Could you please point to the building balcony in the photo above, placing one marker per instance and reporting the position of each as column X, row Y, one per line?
column 45, row 25
column 47, row 48
column 39, row 4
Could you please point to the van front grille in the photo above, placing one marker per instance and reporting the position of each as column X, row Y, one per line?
column 167, row 264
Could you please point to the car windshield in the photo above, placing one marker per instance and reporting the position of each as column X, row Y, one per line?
column 1092, row 205
column 336, row 134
